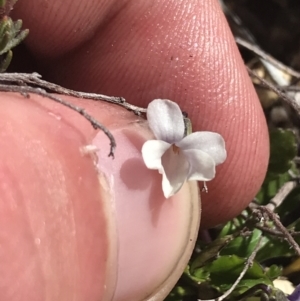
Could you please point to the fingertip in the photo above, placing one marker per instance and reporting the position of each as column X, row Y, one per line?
column 229, row 105
column 48, row 191
column 65, row 24
column 86, row 218
column 188, row 56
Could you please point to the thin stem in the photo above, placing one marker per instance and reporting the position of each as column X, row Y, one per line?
column 248, row 263
column 290, row 101
column 275, row 219
column 281, row 195
column 251, row 291
column 258, row 51
column 274, row 232
column 35, row 79
column 22, row 83
column 25, row 90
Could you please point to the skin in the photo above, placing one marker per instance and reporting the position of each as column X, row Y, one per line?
column 141, row 50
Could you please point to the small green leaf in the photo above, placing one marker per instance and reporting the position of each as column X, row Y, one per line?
column 6, row 61
column 211, row 251
column 13, row 42
column 274, row 271
column 283, row 151
column 273, row 248
column 232, row 226
column 2, row 3
column 200, row 275
column 5, row 25
column 289, row 207
column 17, row 25
column 5, row 29
column 246, row 284
column 179, row 292
column 226, row 269
column 271, row 186
column 234, row 265
column 242, row 246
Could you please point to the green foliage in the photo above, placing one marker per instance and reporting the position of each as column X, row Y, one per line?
column 242, row 246
column 210, row 252
column 282, row 152
column 10, row 34
column 290, row 205
column 274, row 247
column 213, row 271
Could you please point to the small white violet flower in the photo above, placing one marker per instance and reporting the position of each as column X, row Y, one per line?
column 177, row 157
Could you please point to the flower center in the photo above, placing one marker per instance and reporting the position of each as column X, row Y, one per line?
column 176, row 149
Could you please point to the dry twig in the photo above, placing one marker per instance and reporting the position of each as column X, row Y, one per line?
column 289, row 100
column 35, row 79
column 281, row 195
column 263, row 211
column 262, row 54
column 248, row 264
column 20, row 83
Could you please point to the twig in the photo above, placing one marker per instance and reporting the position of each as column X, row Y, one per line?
column 281, row 195
column 23, row 82
column 235, row 19
column 251, row 291
column 248, row 264
column 279, row 225
column 258, row 51
column 35, row 79
column 274, row 232
column 25, row 90
column 274, row 218
column 291, row 88
column 278, row 91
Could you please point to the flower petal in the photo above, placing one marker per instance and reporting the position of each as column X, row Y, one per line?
column 175, row 171
column 208, row 142
column 152, row 152
column 165, row 120
column 295, row 296
column 202, row 165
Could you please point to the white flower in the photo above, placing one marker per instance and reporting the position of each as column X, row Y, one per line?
column 177, row 157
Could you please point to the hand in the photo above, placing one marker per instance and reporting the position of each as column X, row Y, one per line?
column 141, row 50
